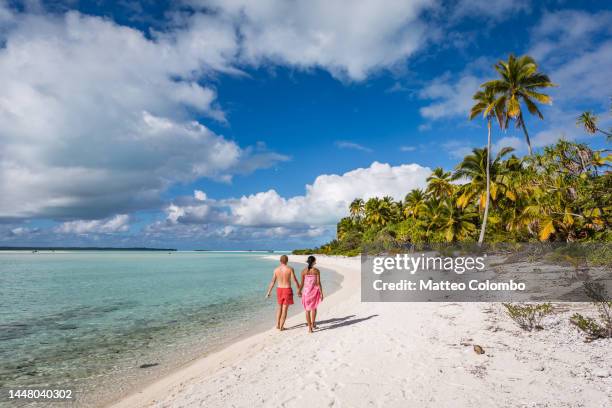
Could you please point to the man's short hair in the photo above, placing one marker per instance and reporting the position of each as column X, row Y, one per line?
column 284, row 259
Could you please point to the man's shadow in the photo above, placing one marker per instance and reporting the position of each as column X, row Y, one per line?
column 334, row 323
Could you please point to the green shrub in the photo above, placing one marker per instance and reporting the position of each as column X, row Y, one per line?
column 589, row 326
column 528, row 316
column 594, row 329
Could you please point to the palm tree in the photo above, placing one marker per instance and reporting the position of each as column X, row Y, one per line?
column 356, row 208
column 589, row 121
column 416, row 203
column 485, row 105
column 458, row 224
column 378, row 212
column 483, row 184
column 439, row 183
column 520, row 83
column 431, row 215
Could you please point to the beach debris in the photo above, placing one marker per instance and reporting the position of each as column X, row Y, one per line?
column 601, row 373
column 478, row 349
column 148, row 365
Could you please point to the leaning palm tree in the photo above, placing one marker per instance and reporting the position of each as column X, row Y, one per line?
column 356, row 208
column 588, row 120
column 520, row 83
column 485, row 105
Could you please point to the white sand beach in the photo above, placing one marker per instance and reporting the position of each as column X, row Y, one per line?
column 395, row 355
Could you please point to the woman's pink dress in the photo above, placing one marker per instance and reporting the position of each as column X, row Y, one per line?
column 311, row 294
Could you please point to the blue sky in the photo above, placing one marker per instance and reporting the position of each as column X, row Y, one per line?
column 236, row 124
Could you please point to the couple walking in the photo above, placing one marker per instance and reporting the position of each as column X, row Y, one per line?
column 310, row 290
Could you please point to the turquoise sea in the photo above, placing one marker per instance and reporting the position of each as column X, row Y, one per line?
column 104, row 322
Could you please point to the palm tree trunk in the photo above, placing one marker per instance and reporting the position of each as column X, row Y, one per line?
column 483, row 227
column 526, row 134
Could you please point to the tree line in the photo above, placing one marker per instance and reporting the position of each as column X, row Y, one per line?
column 563, row 193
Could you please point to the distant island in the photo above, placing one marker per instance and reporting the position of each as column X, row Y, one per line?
column 37, row 248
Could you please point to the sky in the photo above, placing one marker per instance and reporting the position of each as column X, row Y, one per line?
column 237, row 124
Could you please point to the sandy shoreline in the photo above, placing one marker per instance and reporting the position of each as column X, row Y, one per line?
column 395, row 355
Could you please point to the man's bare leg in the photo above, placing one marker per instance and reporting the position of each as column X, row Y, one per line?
column 314, row 319
column 278, row 316
column 283, row 316
column 309, row 321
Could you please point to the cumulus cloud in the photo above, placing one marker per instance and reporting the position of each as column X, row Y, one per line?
column 327, row 199
column 118, row 223
column 95, row 117
column 324, row 202
column 350, row 39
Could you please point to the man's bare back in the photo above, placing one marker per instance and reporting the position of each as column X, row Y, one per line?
column 283, row 276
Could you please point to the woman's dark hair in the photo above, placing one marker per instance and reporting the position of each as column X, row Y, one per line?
column 311, row 260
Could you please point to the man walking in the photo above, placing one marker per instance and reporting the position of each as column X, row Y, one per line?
column 284, row 293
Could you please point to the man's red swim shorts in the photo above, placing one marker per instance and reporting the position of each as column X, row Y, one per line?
column 284, row 296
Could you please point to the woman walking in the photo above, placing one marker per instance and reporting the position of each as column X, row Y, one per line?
column 311, row 292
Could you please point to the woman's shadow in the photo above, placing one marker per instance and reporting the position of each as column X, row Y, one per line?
column 335, row 322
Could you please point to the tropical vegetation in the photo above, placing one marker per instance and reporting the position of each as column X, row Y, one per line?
column 562, row 193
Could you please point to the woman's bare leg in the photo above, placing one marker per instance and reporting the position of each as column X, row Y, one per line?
column 309, row 321
column 314, row 318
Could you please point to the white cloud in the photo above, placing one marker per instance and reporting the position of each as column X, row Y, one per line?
column 518, row 144
column 343, row 144
column 567, row 31
column 327, row 199
column 568, row 46
column 95, row 118
column 450, row 98
column 23, row 231
column 574, row 48
column 407, row 148
column 200, row 195
column 350, row 39
column 118, row 223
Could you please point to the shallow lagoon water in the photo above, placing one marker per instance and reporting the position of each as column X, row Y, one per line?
column 90, row 320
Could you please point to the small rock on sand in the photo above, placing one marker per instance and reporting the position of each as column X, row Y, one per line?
column 478, row 349
column 601, row 373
